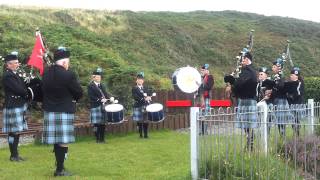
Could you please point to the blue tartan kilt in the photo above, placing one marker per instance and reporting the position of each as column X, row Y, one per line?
column 283, row 112
column 271, row 115
column 247, row 114
column 58, row 128
column 14, row 119
column 139, row 114
column 299, row 111
column 97, row 116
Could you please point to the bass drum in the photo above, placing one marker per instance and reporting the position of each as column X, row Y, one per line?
column 114, row 113
column 155, row 112
column 34, row 87
column 187, row 79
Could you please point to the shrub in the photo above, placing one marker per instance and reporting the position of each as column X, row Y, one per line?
column 306, row 151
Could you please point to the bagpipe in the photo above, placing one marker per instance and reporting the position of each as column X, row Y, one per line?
column 235, row 74
column 31, row 79
column 284, row 57
column 230, row 78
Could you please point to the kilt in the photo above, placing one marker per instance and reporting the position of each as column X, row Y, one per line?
column 299, row 111
column 97, row 116
column 58, row 128
column 271, row 115
column 14, row 119
column 247, row 114
column 139, row 114
column 283, row 112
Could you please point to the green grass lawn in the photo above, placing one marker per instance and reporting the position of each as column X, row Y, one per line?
column 165, row 155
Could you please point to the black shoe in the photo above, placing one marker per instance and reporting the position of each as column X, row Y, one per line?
column 146, row 137
column 17, row 159
column 62, row 173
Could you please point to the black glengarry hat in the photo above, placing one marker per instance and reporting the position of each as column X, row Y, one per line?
column 248, row 55
column 264, row 69
column 295, row 71
column 205, row 66
column 140, row 75
column 98, row 71
column 278, row 62
column 12, row 56
column 61, row 53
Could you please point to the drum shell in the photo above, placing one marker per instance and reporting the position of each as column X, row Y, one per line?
column 113, row 116
column 155, row 116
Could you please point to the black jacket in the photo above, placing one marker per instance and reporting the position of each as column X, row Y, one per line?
column 295, row 92
column 60, row 90
column 96, row 94
column 138, row 96
column 15, row 90
column 262, row 87
column 279, row 90
column 245, row 85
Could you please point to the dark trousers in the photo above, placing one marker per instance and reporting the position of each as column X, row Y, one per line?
column 250, row 138
column 143, row 127
column 99, row 132
column 13, row 141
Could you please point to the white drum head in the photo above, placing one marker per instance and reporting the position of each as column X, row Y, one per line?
column 114, row 108
column 188, row 79
column 156, row 107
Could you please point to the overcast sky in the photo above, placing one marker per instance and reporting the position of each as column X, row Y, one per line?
column 301, row 9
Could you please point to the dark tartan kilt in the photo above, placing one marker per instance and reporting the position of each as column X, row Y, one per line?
column 299, row 111
column 247, row 114
column 139, row 114
column 14, row 119
column 97, row 116
column 58, row 128
column 283, row 112
column 271, row 115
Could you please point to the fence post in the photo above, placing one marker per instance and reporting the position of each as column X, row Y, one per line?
column 194, row 112
column 311, row 117
column 263, row 108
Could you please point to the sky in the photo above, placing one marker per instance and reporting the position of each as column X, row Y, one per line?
column 300, row 9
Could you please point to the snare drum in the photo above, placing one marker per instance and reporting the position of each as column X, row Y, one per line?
column 114, row 113
column 155, row 112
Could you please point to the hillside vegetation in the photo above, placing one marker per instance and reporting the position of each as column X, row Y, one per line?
column 125, row 42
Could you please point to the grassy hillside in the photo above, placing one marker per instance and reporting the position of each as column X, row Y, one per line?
column 158, row 42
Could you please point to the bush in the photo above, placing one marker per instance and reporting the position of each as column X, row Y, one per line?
column 306, row 151
column 312, row 88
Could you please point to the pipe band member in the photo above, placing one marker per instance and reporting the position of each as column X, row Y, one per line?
column 139, row 106
column 244, row 89
column 61, row 91
column 295, row 97
column 264, row 92
column 15, row 104
column 98, row 98
column 279, row 97
column 205, row 91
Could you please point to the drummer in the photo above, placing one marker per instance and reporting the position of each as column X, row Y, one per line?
column 98, row 97
column 205, row 91
column 140, row 102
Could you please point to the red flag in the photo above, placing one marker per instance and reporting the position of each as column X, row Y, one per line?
column 36, row 58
